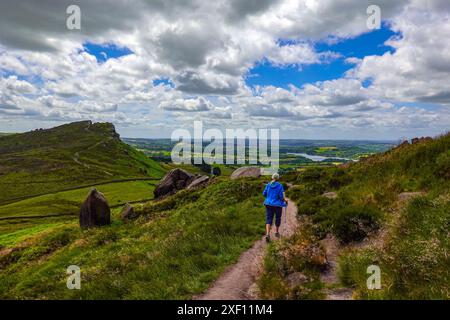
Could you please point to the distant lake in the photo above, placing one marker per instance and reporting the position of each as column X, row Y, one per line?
column 317, row 158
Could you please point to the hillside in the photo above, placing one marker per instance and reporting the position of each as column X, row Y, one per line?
column 69, row 156
column 175, row 249
column 391, row 210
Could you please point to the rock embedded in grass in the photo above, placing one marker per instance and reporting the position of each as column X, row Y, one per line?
column 200, row 181
column 95, row 210
column 175, row 180
column 128, row 212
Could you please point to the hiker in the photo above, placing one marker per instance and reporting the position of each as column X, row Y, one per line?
column 275, row 202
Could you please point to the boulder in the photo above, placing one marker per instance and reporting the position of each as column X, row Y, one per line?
column 172, row 182
column 95, row 210
column 244, row 172
column 128, row 212
column 199, row 181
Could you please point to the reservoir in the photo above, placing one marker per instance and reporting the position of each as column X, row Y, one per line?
column 317, row 158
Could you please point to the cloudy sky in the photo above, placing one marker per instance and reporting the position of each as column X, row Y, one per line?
column 311, row 68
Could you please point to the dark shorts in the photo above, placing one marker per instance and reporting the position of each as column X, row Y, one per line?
column 271, row 212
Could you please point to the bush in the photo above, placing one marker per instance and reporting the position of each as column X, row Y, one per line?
column 338, row 178
column 313, row 205
column 312, row 175
column 354, row 223
column 216, row 171
column 442, row 168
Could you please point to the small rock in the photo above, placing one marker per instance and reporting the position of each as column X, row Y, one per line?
column 404, row 196
column 330, row 195
column 128, row 212
column 295, row 279
column 95, row 210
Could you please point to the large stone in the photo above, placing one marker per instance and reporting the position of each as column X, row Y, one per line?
column 95, row 210
column 128, row 212
column 200, row 181
column 245, row 172
column 172, row 182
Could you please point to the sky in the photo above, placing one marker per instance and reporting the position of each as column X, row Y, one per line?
column 311, row 68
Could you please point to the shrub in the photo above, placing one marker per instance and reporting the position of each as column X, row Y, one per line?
column 313, row 205
column 354, row 223
column 338, row 178
column 442, row 168
column 216, row 171
column 312, row 175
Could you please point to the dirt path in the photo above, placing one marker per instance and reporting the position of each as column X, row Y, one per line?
column 238, row 282
column 330, row 277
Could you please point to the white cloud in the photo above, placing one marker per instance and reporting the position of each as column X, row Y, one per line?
column 206, row 49
column 419, row 69
column 189, row 105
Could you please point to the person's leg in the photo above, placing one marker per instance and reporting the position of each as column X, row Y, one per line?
column 267, row 228
column 278, row 213
column 269, row 218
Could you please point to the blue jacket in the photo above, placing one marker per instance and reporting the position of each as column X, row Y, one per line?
column 274, row 194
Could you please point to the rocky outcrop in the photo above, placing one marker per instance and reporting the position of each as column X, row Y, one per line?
column 95, row 210
column 198, row 182
column 422, row 139
column 175, row 180
column 128, row 212
column 245, row 172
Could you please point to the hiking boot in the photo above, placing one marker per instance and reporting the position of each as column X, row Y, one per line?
column 267, row 238
column 277, row 234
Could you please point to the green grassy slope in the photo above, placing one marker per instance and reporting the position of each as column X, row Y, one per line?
column 408, row 238
column 68, row 156
column 175, row 249
column 23, row 218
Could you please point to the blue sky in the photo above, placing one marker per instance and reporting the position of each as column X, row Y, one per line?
column 104, row 52
column 367, row 44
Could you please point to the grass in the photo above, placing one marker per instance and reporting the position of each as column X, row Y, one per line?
column 71, row 155
column 299, row 255
column 9, row 239
column 174, row 250
column 67, row 204
column 413, row 249
column 414, row 262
